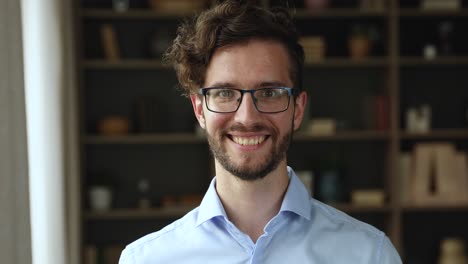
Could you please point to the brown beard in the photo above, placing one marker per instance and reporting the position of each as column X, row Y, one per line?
column 278, row 154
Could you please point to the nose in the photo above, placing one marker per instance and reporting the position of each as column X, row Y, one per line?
column 247, row 113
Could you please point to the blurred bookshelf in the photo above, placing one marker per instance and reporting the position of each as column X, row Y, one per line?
column 159, row 143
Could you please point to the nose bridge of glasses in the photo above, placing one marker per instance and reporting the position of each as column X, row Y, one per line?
column 245, row 100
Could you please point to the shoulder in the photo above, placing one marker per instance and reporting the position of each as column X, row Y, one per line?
column 334, row 217
column 352, row 234
column 172, row 234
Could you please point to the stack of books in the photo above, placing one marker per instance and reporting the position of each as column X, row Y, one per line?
column 440, row 4
column 314, row 48
column 435, row 174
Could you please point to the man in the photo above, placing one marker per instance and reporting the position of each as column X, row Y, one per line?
column 241, row 66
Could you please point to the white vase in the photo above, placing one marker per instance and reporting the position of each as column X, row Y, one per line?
column 100, row 198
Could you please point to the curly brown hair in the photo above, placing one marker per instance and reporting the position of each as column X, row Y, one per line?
column 230, row 22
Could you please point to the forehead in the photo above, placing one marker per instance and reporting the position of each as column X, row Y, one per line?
column 249, row 64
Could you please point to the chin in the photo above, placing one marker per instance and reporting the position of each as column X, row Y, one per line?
column 258, row 171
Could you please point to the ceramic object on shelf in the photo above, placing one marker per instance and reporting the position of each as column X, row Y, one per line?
column 313, row 5
column 430, row 52
column 100, row 198
column 114, row 125
column 329, row 186
column 452, row 251
column 144, row 201
column 120, row 5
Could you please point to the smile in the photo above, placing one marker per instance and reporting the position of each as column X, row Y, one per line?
column 249, row 141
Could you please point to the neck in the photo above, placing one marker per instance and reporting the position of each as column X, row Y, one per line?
column 250, row 205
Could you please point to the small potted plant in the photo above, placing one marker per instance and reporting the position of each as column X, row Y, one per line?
column 361, row 40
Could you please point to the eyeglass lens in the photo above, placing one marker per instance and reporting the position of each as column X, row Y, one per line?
column 268, row 100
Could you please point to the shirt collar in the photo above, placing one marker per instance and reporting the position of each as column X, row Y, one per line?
column 295, row 200
column 211, row 205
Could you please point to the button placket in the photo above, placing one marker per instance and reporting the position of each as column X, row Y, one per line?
column 242, row 239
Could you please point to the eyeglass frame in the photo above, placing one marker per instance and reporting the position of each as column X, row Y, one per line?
column 291, row 92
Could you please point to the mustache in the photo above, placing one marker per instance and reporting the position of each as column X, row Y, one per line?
column 238, row 127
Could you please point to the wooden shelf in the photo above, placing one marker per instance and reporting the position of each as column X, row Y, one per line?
column 135, row 214
column 133, row 13
column 435, row 207
column 138, row 64
column 436, row 134
column 169, row 138
column 348, row 62
column 440, row 61
column 417, row 12
column 189, row 138
column 144, row 13
column 338, row 13
column 124, row 64
column 177, row 212
column 350, row 208
column 344, row 136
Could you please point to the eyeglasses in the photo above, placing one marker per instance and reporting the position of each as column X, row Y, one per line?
column 266, row 100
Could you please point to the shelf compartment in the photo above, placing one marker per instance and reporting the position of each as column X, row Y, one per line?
column 439, row 61
column 136, row 64
column 133, row 13
column 125, row 64
column 135, row 214
column 169, row 138
column 177, row 212
column 436, row 134
column 417, row 12
column 350, row 208
column 435, row 208
column 189, row 138
column 348, row 62
column 144, row 13
column 338, row 13
column 344, row 136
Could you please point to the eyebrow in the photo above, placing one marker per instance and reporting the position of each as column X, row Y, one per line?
column 263, row 84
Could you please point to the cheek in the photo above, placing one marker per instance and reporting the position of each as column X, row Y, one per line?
column 286, row 124
column 215, row 122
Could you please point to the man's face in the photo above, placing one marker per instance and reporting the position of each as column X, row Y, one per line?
column 247, row 143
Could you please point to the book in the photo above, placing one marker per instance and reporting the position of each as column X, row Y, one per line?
column 439, row 174
column 109, row 42
column 382, row 111
column 446, row 176
column 440, row 4
column 461, row 167
column 422, row 173
column 90, row 254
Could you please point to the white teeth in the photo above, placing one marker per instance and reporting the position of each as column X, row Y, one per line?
column 248, row 141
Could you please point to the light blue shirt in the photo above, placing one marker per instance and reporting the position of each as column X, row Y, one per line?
column 304, row 231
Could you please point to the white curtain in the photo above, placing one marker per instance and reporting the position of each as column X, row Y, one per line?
column 49, row 86
column 15, row 238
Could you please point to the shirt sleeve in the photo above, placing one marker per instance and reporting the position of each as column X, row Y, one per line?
column 388, row 253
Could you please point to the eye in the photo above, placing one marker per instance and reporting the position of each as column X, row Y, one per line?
column 270, row 93
column 222, row 93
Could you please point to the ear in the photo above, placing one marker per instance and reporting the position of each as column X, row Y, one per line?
column 300, row 107
column 197, row 103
